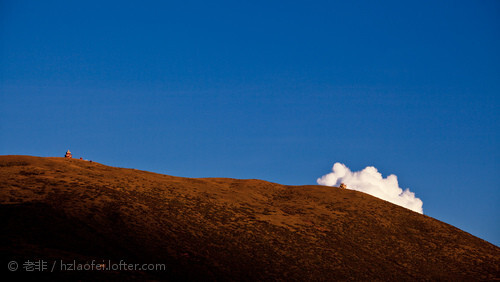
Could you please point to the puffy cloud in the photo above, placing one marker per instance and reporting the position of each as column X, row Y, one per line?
column 370, row 181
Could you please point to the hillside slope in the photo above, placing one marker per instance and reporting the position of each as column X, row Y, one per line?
column 223, row 229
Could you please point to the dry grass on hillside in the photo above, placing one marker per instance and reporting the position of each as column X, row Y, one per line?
column 215, row 228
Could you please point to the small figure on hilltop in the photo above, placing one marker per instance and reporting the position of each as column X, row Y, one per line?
column 343, row 186
column 68, row 155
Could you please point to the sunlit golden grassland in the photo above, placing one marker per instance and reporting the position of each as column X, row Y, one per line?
column 217, row 228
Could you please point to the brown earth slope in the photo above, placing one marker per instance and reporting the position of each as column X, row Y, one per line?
column 223, row 229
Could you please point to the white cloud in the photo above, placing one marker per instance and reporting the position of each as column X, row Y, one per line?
column 370, row 181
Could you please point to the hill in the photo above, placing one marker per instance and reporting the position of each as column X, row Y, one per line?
column 56, row 209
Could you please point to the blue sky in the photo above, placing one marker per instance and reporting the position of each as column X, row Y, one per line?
column 277, row 91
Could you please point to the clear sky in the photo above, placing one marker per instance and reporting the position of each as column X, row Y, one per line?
column 274, row 90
